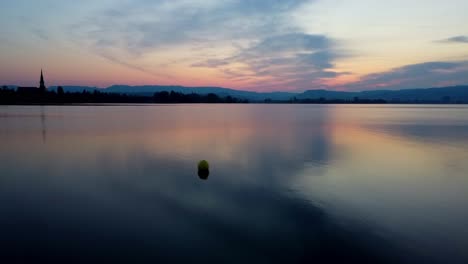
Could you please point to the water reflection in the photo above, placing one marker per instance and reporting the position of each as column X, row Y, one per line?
column 203, row 174
column 293, row 184
column 431, row 133
column 43, row 124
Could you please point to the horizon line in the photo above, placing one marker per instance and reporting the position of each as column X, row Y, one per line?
column 240, row 90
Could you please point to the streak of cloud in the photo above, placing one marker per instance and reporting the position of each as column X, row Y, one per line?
column 456, row 39
column 285, row 61
column 422, row 75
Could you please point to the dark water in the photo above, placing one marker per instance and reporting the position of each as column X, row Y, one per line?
column 287, row 184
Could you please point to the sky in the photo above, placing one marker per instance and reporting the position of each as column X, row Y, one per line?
column 257, row 45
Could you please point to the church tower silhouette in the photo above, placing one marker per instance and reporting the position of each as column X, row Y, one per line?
column 42, row 86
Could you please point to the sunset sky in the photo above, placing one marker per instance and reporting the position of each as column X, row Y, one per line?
column 263, row 45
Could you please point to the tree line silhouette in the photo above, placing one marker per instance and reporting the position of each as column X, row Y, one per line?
column 175, row 97
column 59, row 96
column 37, row 96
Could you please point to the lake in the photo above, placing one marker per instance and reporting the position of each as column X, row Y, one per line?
column 287, row 183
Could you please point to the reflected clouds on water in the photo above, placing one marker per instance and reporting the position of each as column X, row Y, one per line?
column 120, row 182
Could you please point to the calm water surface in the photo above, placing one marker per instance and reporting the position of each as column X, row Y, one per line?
column 287, row 183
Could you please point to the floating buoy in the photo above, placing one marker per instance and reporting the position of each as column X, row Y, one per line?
column 203, row 169
column 203, row 165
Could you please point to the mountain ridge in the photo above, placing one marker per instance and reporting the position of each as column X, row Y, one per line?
column 448, row 94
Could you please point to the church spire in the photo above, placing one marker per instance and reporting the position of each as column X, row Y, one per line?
column 41, row 83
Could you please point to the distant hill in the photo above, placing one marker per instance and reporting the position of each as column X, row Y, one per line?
column 442, row 94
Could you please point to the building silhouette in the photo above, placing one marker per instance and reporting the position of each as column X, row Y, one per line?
column 42, row 87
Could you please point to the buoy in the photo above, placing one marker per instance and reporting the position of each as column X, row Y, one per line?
column 203, row 169
column 203, row 165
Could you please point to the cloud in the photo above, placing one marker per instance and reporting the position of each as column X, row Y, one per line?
column 293, row 60
column 132, row 66
column 41, row 34
column 456, row 39
column 422, row 75
column 254, row 44
column 205, row 30
column 140, row 26
column 211, row 63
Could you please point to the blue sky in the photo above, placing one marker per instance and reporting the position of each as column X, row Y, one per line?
column 267, row 45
